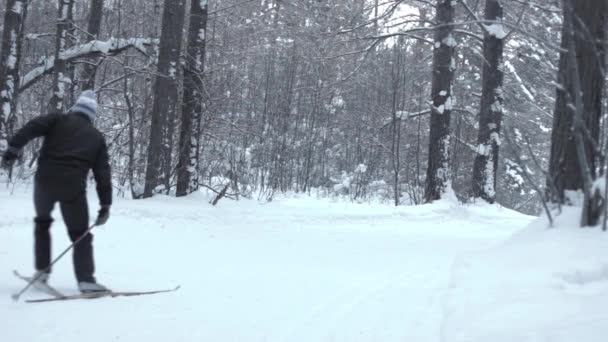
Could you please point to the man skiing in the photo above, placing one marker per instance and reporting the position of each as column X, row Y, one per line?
column 72, row 146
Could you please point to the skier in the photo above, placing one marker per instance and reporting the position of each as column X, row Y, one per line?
column 72, row 146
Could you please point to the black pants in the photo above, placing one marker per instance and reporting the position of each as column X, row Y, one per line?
column 75, row 212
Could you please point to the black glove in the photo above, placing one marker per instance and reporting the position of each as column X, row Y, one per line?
column 9, row 158
column 103, row 215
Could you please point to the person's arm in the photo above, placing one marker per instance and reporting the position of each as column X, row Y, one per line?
column 103, row 176
column 35, row 128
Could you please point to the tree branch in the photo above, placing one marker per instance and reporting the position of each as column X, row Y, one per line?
column 110, row 47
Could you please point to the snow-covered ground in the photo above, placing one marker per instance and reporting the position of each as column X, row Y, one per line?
column 306, row 269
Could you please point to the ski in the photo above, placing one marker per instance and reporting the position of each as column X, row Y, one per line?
column 95, row 295
column 40, row 286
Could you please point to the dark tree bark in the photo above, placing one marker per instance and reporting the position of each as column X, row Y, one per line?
column 165, row 92
column 490, row 109
column 12, row 39
column 187, row 170
column 61, row 79
column 438, row 171
column 87, row 78
column 578, row 109
column 397, row 76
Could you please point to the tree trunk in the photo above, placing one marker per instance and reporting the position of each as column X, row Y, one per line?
column 438, row 171
column 578, row 106
column 490, row 109
column 12, row 40
column 61, row 80
column 397, row 71
column 87, row 78
column 187, row 170
column 165, row 91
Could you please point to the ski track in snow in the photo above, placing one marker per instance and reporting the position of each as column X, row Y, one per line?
column 296, row 269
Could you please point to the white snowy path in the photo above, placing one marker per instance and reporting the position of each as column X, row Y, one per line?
column 290, row 270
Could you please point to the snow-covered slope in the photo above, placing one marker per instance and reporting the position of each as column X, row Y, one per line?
column 540, row 285
column 297, row 269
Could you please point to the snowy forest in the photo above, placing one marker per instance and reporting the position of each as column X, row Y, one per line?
column 398, row 100
column 304, row 170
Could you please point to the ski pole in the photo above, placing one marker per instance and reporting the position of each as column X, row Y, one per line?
column 16, row 296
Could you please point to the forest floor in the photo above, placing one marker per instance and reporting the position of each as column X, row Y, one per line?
column 307, row 269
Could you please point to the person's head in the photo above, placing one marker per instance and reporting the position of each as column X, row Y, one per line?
column 86, row 104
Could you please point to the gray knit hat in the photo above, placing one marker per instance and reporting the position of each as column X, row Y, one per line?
column 86, row 104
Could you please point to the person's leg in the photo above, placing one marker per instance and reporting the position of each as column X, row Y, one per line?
column 43, row 203
column 76, row 216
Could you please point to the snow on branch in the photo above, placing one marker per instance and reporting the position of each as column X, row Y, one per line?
column 94, row 48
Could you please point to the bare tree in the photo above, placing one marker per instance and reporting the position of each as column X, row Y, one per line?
column 396, row 84
column 165, row 94
column 490, row 109
column 575, row 149
column 87, row 77
column 12, row 40
column 61, row 79
column 438, row 171
column 187, row 170
column 298, row 95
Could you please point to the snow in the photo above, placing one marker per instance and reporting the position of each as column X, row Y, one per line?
column 488, row 186
column 520, row 81
column 6, row 108
column 599, row 185
column 497, row 106
column 361, row 168
column 449, row 103
column 449, row 41
column 402, row 114
column 64, row 10
column 309, row 269
column 11, row 62
column 18, row 7
column 495, row 137
column 112, row 44
column 514, row 172
column 106, row 46
column 541, row 285
column 497, row 30
column 483, row 149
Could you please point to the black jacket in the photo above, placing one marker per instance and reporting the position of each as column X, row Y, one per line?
column 72, row 146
